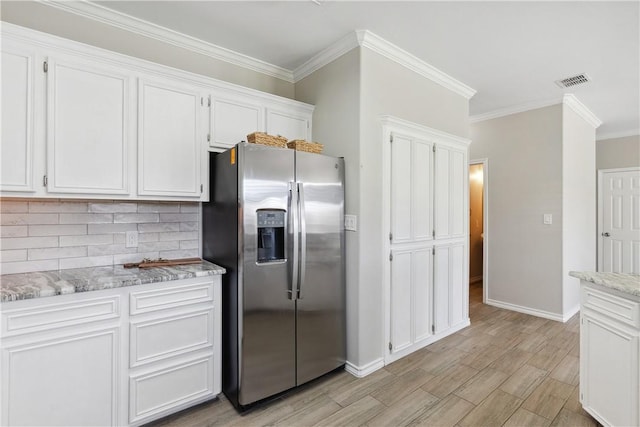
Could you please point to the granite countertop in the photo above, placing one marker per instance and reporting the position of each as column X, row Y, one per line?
column 623, row 282
column 22, row 286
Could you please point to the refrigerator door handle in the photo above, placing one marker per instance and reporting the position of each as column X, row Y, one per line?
column 292, row 219
column 303, row 239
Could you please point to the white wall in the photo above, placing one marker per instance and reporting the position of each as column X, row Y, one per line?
column 524, row 182
column 335, row 91
column 618, row 152
column 578, row 204
column 44, row 18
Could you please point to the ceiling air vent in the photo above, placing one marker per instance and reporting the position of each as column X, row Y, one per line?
column 573, row 80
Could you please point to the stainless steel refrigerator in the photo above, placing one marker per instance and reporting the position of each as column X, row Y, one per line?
column 276, row 223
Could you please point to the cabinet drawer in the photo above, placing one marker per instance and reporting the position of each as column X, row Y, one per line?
column 621, row 309
column 170, row 297
column 52, row 316
column 159, row 391
column 159, row 339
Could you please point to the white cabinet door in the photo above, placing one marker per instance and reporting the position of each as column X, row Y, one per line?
column 16, row 169
column 88, row 127
column 64, row 380
column 410, row 241
column 233, row 120
column 450, row 192
column 609, row 370
column 290, row 124
column 170, row 139
column 450, row 291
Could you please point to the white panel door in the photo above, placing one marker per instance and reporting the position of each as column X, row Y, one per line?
column 289, row 124
column 233, row 120
column 170, row 139
column 88, row 127
column 619, row 206
column 450, row 184
column 63, row 381
column 16, row 169
column 450, row 293
column 410, row 242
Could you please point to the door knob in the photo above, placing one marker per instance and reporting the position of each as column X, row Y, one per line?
column 606, row 234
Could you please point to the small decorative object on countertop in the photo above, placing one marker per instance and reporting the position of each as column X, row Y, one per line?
column 21, row 286
column 161, row 262
column 623, row 282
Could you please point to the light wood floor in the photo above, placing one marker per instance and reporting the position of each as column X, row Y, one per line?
column 506, row 369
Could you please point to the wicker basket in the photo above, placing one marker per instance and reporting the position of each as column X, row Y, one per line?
column 302, row 145
column 266, row 139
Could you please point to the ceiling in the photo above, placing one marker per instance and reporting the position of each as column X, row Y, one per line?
column 510, row 52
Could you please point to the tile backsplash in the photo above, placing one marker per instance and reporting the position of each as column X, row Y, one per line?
column 38, row 235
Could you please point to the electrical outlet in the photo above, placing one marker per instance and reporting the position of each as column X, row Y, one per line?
column 547, row 219
column 131, row 240
column 350, row 222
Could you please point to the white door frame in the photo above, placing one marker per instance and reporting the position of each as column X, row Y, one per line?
column 485, row 224
column 601, row 173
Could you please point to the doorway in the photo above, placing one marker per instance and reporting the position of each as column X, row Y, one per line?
column 618, row 220
column 478, row 231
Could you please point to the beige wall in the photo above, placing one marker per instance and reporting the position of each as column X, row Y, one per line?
column 68, row 25
column 475, row 221
column 335, row 91
column 350, row 95
column 578, row 204
column 524, row 182
column 618, row 152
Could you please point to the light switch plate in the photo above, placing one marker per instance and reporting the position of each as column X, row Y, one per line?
column 547, row 219
column 350, row 222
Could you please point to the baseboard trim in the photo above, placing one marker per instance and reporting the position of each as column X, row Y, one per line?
column 533, row 311
column 571, row 313
column 363, row 371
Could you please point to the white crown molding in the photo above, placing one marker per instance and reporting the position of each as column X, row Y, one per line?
column 410, row 61
column 615, row 135
column 580, row 109
column 521, row 108
column 326, row 56
column 377, row 44
column 126, row 22
column 422, row 131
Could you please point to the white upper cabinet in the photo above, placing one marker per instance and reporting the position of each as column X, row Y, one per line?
column 233, row 119
column 82, row 122
column 88, row 127
column 291, row 124
column 17, row 117
column 170, row 138
column 450, row 190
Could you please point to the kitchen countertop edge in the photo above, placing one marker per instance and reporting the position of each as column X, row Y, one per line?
column 24, row 286
column 622, row 282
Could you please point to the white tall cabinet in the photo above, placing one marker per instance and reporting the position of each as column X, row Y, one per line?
column 425, row 207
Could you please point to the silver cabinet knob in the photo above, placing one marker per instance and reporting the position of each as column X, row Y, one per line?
column 606, row 234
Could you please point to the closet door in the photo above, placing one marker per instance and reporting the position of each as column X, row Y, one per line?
column 411, row 244
column 450, row 192
column 450, row 295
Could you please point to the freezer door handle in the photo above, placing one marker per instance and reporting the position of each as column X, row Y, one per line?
column 292, row 232
column 303, row 239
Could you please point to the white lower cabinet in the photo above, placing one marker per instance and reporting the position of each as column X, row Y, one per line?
column 122, row 356
column 609, row 357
